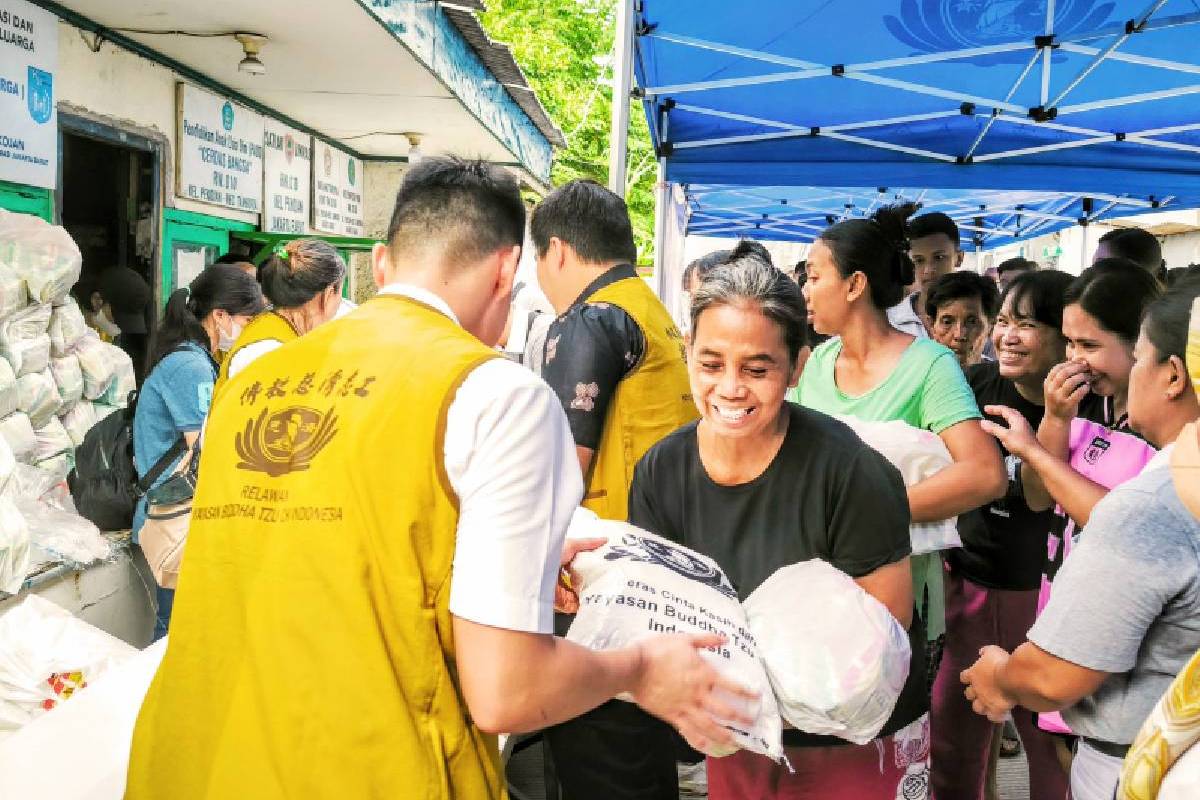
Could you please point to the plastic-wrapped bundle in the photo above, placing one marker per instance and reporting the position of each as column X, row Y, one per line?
column 836, row 656
column 96, row 365
column 12, row 292
column 52, row 440
column 67, row 327
column 17, row 432
column 30, row 483
column 27, row 323
column 27, row 355
column 8, row 388
column 68, row 377
column 124, row 380
column 14, row 547
column 77, row 421
column 639, row 583
column 57, row 468
column 43, row 255
column 37, row 396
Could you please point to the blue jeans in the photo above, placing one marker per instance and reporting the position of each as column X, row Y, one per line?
column 162, row 614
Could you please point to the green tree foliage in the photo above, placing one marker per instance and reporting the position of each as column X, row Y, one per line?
column 565, row 48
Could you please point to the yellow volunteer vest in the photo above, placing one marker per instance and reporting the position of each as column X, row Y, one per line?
column 650, row 402
column 311, row 652
column 267, row 325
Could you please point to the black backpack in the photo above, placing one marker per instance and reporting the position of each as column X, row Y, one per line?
column 104, row 483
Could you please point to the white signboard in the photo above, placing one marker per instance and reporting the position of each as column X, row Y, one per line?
column 337, row 191
column 287, row 177
column 28, row 113
column 220, row 151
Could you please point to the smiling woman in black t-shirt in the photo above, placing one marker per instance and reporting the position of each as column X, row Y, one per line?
column 758, row 484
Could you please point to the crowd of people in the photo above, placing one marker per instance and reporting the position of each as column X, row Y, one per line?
column 377, row 572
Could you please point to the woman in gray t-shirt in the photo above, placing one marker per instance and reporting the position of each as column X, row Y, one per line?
column 1125, row 614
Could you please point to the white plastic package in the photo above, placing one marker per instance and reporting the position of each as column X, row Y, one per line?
column 52, row 440
column 65, row 535
column 29, row 482
column 26, row 323
column 43, row 255
column 68, row 378
column 27, row 355
column 17, row 432
column 67, row 326
column 46, row 655
column 95, row 364
column 8, row 388
column 836, row 657
column 917, row 454
column 77, row 421
column 13, row 294
column 37, row 397
column 639, row 584
column 57, row 468
column 124, row 380
column 15, row 554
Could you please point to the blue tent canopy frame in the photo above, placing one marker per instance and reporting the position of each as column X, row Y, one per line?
column 1099, row 99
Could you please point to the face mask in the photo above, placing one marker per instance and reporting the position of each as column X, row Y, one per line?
column 225, row 341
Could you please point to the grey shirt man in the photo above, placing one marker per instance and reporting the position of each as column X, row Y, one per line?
column 1127, row 602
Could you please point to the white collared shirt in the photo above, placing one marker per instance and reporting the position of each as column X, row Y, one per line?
column 906, row 319
column 511, row 460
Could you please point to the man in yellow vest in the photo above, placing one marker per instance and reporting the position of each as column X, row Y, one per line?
column 367, row 591
column 616, row 361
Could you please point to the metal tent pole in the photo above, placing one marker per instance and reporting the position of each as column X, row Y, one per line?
column 622, row 82
column 662, row 191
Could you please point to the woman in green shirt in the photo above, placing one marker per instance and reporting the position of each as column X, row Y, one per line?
column 857, row 269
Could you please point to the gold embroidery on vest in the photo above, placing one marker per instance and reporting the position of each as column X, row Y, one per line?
column 284, row 441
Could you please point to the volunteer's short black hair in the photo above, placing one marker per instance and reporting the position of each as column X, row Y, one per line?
column 590, row 218
column 750, row 279
column 878, row 248
column 704, row 265
column 1016, row 264
column 1040, row 296
column 1166, row 322
column 472, row 207
column 309, row 267
column 1115, row 292
column 1137, row 245
column 962, row 285
column 932, row 223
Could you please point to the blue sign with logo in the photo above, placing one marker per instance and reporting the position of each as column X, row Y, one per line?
column 40, row 95
column 227, row 116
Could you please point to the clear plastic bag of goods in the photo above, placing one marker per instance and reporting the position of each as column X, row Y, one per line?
column 65, row 535
column 27, row 355
column 29, row 482
column 67, row 326
column 15, row 556
column 95, row 728
column 17, row 432
column 68, row 377
column 52, row 440
column 43, row 255
column 639, row 584
column 46, row 656
column 8, row 388
column 58, row 467
column 13, row 294
column 37, row 397
column 26, row 323
column 918, row 454
column 77, row 421
column 96, row 365
column 836, row 657
column 124, row 380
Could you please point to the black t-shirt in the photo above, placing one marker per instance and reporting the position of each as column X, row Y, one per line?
column 1004, row 542
column 825, row 495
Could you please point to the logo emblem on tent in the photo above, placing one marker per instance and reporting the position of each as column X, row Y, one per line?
column 40, row 95
column 227, row 116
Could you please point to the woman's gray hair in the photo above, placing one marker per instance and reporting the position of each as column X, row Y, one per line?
column 751, row 280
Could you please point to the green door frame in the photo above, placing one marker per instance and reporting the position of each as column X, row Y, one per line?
column 266, row 242
column 22, row 199
column 193, row 228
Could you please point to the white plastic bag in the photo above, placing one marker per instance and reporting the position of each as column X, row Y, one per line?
column 639, row 584
column 95, row 364
column 58, row 467
column 68, row 378
column 43, row 255
column 37, row 397
column 77, row 421
column 27, row 355
column 8, row 388
column 835, row 655
column 917, row 454
column 29, row 482
column 67, row 536
column 17, row 432
column 124, row 381
column 52, row 440
column 46, row 655
column 12, row 291
column 15, row 554
column 67, row 327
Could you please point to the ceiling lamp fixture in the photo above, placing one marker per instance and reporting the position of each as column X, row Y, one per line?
column 252, row 43
column 414, row 147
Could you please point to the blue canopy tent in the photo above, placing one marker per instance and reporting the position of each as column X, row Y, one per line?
column 1096, row 98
